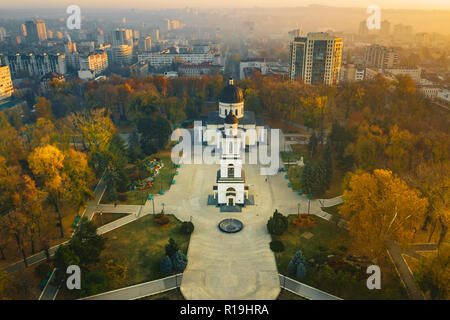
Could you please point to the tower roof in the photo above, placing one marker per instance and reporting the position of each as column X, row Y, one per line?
column 231, row 93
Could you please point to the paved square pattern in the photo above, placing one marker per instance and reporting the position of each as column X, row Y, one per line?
column 229, row 266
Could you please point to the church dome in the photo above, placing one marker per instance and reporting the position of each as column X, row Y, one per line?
column 231, row 119
column 231, row 93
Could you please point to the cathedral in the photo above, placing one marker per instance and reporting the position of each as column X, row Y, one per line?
column 233, row 124
column 231, row 100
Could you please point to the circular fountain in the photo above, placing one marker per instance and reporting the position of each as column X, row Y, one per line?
column 230, row 225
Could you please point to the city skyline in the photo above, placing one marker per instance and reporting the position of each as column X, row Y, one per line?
column 153, row 4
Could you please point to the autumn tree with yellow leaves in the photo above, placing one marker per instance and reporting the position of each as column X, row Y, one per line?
column 64, row 176
column 381, row 207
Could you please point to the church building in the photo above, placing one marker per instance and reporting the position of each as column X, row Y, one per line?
column 231, row 100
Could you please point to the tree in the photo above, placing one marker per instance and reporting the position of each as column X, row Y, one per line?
column 179, row 261
column 381, row 207
column 307, row 178
column 433, row 275
column 86, row 243
column 171, row 248
column 187, row 227
column 64, row 257
column 43, row 108
column 327, row 159
column 277, row 224
column 312, row 144
column 166, row 266
column 63, row 176
column 297, row 265
column 277, row 246
column 134, row 150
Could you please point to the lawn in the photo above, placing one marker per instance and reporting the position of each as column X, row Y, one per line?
column 140, row 246
column 162, row 181
column 330, row 241
column 106, row 218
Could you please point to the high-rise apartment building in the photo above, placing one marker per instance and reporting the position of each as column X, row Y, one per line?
column 316, row 58
column 36, row 30
column 380, row 56
column 147, row 43
column 122, row 37
column 96, row 62
column 34, row 65
column 6, row 86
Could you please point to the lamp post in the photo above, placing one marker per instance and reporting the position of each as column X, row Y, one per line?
column 153, row 203
column 101, row 216
column 298, row 209
column 162, row 208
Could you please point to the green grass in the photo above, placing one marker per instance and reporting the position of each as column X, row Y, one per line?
column 328, row 240
column 140, row 246
column 106, row 218
column 174, row 294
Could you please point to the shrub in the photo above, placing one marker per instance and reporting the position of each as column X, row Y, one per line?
column 277, row 224
column 166, row 265
column 179, row 261
column 163, row 220
column 300, row 272
column 297, row 265
column 277, row 246
column 187, row 227
column 158, row 215
column 304, row 221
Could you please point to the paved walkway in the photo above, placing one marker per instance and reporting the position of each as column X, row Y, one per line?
column 231, row 266
column 304, row 290
column 140, row 290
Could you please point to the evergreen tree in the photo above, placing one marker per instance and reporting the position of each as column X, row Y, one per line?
column 328, row 162
column 134, row 149
column 166, row 265
column 319, row 181
column 301, row 271
column 307, row 178
column 312, row 144
column 171, row 248
column 179, row 261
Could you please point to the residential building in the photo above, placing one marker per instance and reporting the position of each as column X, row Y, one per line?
column 34, row 65
column 6, row 86
column 165, row 58
column 36, row 30
column 123, row 54
column 380, row 57
column 97, row 62
column 49, row 77
column 316, row 58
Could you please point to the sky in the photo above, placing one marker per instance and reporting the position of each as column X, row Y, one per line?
column 384, row 4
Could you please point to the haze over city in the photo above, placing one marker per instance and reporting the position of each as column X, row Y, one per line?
column 224, row 151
